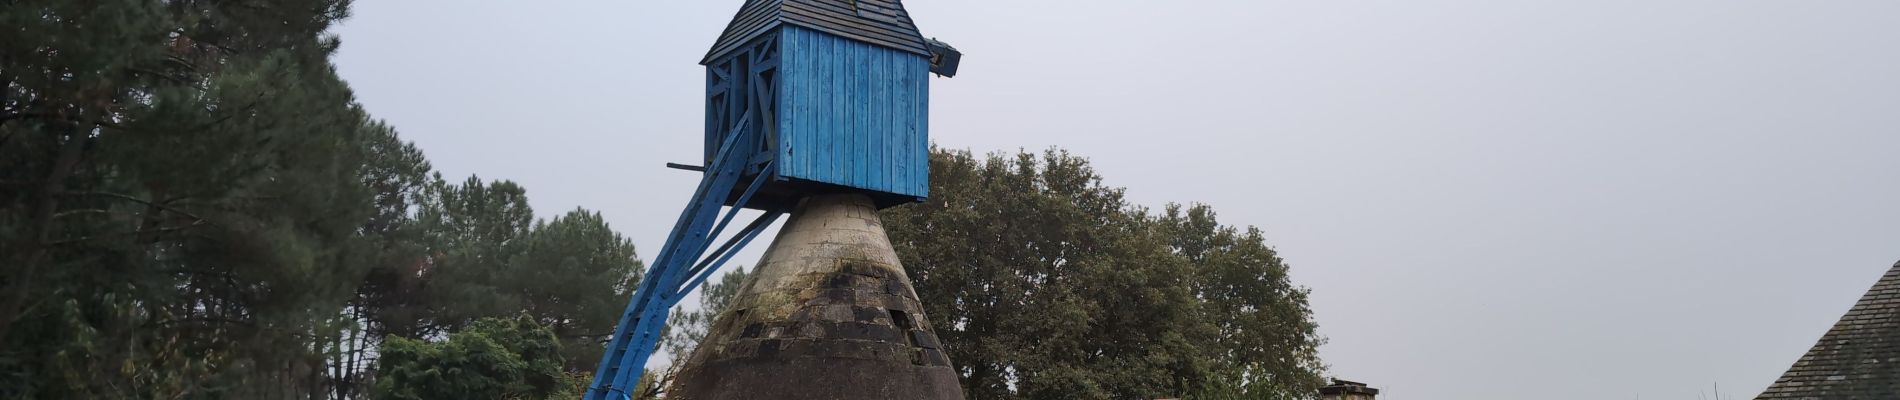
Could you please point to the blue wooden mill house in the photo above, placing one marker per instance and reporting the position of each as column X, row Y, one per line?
column 803, row 97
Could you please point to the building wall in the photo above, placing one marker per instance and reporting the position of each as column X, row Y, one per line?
column 852, row 114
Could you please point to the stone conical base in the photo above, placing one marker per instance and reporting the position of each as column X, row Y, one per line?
column 828, row 314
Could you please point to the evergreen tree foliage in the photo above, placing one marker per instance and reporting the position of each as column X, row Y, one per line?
column 192, row 205
column 474, row 230
column 1044, row 283
column 575, row 275
column 181, row 197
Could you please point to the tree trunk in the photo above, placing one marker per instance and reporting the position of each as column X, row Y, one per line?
column 14, row 305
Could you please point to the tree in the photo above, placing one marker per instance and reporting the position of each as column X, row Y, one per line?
column 180, row 193
column 1262, row 338
column 388, row 302
column 575, row 275
column 472, row 233
column 1044, row 283
column 187, row 187
column 490, row 359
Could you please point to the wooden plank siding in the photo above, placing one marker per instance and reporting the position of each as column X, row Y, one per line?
column 852, row 113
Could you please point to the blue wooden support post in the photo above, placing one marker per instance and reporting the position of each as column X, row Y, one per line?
column 711, row 264
column 640, row 325
column 803, row 98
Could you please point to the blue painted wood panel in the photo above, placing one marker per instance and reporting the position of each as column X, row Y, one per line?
column 852, row 113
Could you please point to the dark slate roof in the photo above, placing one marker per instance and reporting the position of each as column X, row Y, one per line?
column 878, row 22
column 1341, row 386
column 1858, row 359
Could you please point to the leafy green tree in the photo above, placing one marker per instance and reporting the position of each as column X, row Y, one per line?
column 1262, row 339
column 1044, row 283
column 490, row 359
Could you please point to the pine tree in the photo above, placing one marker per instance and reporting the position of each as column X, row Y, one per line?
column 182, row 195
column 575, row 275
column 193, row 206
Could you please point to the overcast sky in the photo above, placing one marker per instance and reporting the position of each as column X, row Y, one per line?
column 1598, row 199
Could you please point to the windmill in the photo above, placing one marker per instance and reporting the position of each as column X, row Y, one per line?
column 817, row 109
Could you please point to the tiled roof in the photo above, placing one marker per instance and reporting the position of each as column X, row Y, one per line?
column 878, row 22
column 1859, row 359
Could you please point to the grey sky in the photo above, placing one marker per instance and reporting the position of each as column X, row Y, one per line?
column 1490, row 199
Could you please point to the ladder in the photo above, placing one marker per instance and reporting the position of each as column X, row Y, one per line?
column 683, row 263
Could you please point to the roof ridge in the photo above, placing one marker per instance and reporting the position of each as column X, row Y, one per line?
column 882, row 23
